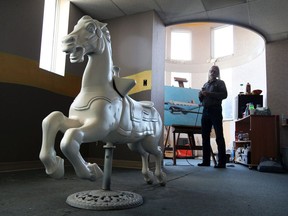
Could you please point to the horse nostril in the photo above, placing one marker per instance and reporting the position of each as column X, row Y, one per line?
column 69, row 39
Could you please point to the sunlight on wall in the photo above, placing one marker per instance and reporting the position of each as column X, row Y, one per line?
column 55, row 27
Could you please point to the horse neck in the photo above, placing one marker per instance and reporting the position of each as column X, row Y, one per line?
column 98, row 71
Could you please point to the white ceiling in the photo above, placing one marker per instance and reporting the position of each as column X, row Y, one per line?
column 268, row 17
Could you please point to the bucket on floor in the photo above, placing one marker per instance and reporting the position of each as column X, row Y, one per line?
column 183, row 153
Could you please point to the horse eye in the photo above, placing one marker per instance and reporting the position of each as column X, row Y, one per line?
column 91, row 28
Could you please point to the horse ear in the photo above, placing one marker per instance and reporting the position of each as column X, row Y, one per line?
column 103, row 25
column 99, row 31
column 100, row 24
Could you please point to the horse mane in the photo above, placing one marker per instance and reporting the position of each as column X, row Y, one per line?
column 100, row 25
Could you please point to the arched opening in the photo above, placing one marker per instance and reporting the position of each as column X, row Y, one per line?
column 238, row 51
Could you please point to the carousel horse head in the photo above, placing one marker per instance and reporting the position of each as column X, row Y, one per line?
column 88, row 37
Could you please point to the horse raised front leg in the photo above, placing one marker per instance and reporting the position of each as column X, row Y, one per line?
column 54, row 122
column 70, row 146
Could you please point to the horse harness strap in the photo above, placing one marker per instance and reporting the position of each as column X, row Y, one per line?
column 84, row 105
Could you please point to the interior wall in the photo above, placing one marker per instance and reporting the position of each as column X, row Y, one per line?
column 28, row 94
column 21, row 25
column 277, row 76
column 18, row 29
column 158, row 64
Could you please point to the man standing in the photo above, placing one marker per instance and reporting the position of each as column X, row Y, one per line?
column 211, row 96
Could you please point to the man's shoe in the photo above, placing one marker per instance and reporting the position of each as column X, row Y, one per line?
column 222, row 166
column 203, row 164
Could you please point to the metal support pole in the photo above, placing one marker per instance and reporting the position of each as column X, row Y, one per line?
column 105, row 199
column 109, row 147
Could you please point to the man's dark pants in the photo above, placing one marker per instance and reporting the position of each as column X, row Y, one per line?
column 212, row 116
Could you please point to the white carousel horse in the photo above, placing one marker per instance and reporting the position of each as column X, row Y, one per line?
column 102, row 111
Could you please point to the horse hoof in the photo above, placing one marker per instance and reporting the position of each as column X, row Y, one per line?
column 58, row 171
column 162, row 179
column 149, row 177
column 95, row 171
column 150, row 181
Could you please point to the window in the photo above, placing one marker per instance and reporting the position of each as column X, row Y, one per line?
column 55, row 26
column 222, row 41
column 181, row 42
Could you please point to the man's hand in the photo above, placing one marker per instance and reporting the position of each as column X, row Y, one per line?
column 204, row 93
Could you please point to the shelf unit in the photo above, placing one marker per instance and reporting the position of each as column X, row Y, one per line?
column 242, row 100
column 242, row 155
column 263, row 139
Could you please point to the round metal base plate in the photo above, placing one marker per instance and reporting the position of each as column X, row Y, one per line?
column 104, row 200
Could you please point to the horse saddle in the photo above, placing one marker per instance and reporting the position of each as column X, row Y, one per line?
column 137, row 117
column 142, row 111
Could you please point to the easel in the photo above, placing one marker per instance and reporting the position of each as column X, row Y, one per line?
column 189, row 130
column 180, row 81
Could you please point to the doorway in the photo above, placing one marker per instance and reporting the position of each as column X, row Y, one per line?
column 192, row 48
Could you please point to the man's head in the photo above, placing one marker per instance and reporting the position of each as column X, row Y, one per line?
column 214, row 72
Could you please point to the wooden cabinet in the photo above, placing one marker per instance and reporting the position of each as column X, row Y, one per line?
column 260, row 138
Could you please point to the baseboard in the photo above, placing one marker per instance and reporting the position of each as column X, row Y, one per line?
column 20, row 165
column 30, row 165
